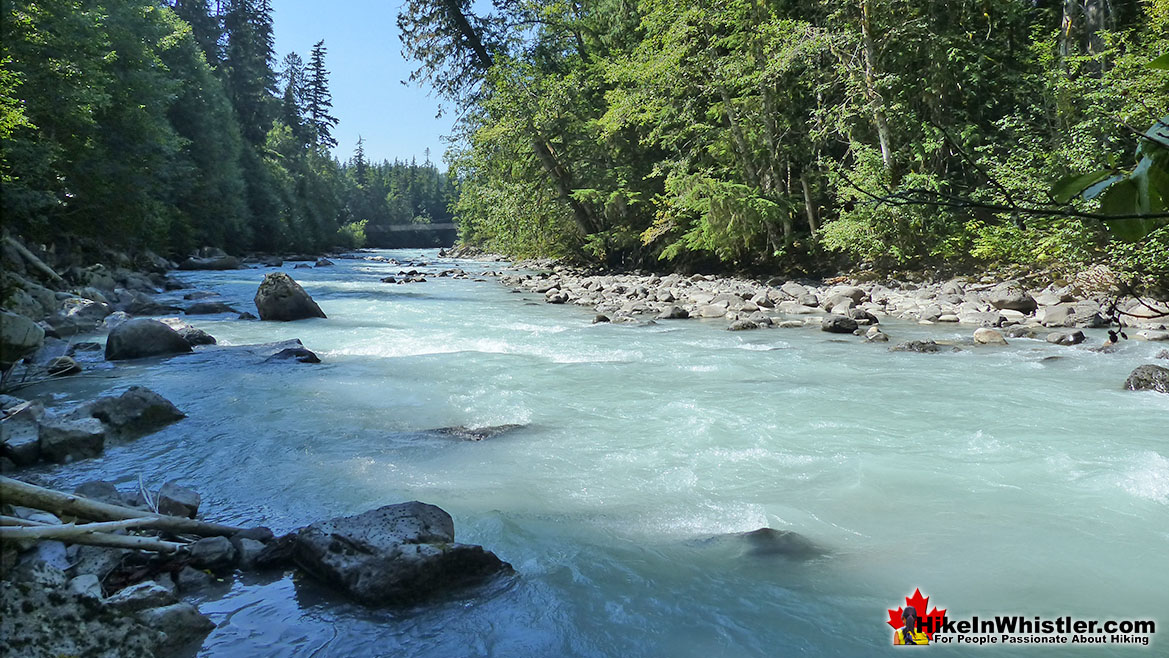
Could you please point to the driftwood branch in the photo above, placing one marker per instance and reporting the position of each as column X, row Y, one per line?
column 74, row 534
column 31, row 259
column 15, row 492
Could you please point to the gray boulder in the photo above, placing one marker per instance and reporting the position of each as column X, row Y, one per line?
column 181, row 623
column 212, row 263
column 65, row 439
column 137, row 411
column 19, row 337
column 177, row 500
column 1148, row 378
column 140, row 596
column 63, row 366
column 673, row 313
column 279, row 298
column 393, row 555
column 299, row 354
column 214, row 553
column 196, row 337
column 987, row 336
column 838, row 324
column 1010, row 295
column 20, row 434
column 920, row 346
column 1066, row 337
column 207, row 308
column 141, row 338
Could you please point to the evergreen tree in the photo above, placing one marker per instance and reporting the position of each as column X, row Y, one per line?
column 292, row 105
column 318, row 99
column 247, row 61
column 204, row 25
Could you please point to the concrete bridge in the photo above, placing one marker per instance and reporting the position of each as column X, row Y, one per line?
column 411, row 235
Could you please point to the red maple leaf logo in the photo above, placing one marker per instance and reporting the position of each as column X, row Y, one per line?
column 930, row 621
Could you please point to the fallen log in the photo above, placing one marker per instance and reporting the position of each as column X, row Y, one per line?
column 75, row 534
column 33, row 261
column 15, row 492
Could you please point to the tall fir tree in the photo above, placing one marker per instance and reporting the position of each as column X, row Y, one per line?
column 247, row 63
column 319, row 100
column 292, row 104
column 205, row 26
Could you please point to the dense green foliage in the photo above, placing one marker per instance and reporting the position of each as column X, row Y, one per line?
column 145, row 125
column 784, row 134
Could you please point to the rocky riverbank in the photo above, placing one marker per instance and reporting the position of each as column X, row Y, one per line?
column 995, row 310
column 105, row 572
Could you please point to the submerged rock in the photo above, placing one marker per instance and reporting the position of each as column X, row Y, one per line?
column 141, row 338
column 196, row 337
column 769, row 542
column 1066, row 337
column 920, row 346
column 478, row 433
column 281, row 299
column 395, row 554
column 300, row 354
column 1148, row 378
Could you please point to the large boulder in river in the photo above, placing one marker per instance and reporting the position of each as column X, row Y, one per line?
column 282, row 299
column 19, row 337
column 393, row 555
column 838, row 324
column 137, row 411
column 1010, row 295
column 1148, row 378
column 142, row 337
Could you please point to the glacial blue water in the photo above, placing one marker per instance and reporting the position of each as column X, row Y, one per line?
column 999, row 481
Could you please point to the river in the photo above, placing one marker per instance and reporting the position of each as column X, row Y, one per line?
column 999, row 481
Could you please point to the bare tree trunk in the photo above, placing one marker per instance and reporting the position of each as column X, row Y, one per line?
column 810, row 207
column 878, row 103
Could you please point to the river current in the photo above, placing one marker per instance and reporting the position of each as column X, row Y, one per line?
column 1017, row 480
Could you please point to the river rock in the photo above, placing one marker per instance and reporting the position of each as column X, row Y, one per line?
column 139, row 304
column 875, row 335
column 393, row 555
column 1163, row 354
column 208, row 308
column 281, row 299
column 54, row 620
column 19, row 337
column 987, row 336
column 177, row 500
column 478, row 433
column 140, row 596
column 78, row 315
column 838, row 324
column 20, row 434
column 324, row 262
column 223, row 262
column 1011, row 296
column 673, row 313
column 920, row 346
column 300, row 354
column 1148, row 378
column 212, row 553
column 65, row 439
column 142, row 337
column 1066, row 337
column 742, row 325
column 769, row 542
column 137, row 411
column 181, row 624
column 196, row 337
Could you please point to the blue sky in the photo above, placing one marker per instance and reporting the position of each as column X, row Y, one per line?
column 366, row 72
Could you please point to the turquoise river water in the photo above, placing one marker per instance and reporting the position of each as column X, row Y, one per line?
column 999, row 481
